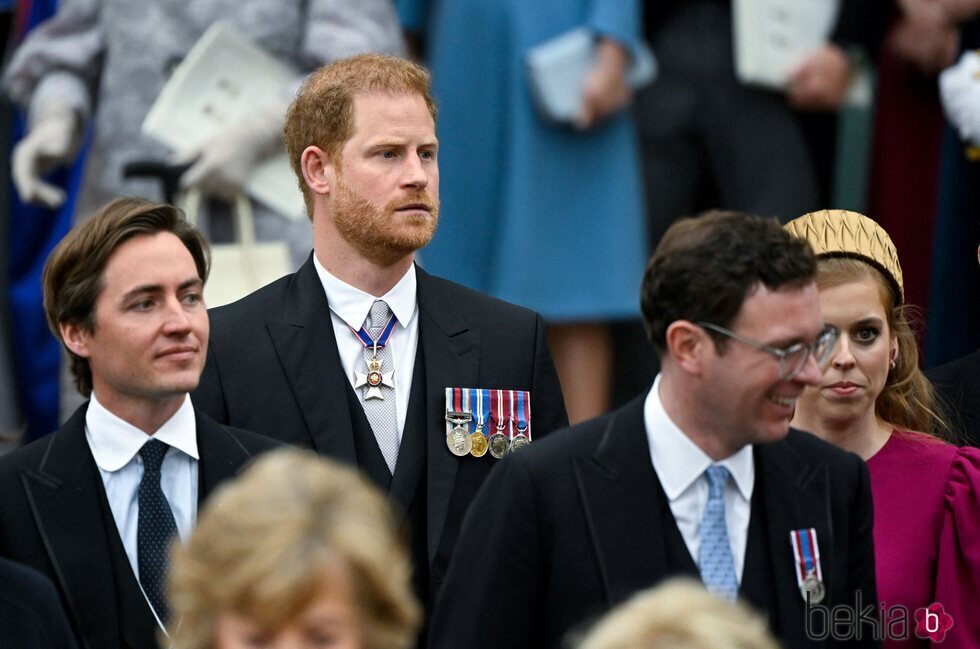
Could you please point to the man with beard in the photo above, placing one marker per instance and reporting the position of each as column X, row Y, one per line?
column 352, row 354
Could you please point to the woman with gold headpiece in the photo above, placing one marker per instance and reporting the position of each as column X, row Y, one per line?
column 874, row 400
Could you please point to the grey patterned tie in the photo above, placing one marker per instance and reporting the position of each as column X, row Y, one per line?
column 155, row 527
column 381, row 412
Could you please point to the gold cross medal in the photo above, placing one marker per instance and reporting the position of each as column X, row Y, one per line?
column 374, row 378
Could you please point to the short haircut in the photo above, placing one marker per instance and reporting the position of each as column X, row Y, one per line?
column 266, row 543
column 73, row 273
column 705, row 267
column 322, row 114
column 679, row 614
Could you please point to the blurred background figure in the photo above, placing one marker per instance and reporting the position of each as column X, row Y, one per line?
column 104, row 62
column 297, row 552
column 918, row 186
column 679, row 614
column 874, row 401
column 542, row 214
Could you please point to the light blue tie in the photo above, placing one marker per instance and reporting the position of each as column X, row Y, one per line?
column 715, row 561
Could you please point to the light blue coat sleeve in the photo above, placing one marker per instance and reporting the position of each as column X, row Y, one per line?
column 619, row 20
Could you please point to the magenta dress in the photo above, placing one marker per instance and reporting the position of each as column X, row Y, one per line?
column 927, row 533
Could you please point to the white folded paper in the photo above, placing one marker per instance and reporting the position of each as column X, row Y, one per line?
column 220, row 80
column 557, row 70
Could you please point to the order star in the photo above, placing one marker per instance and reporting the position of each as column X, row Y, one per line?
column 374, row 391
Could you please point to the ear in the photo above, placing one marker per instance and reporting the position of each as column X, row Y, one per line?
column 318, row 170
column 893, row 350
column 686, row 344
column 76, row 338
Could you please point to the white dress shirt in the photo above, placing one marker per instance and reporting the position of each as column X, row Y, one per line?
column 680, row 465
column 349, row 308
column 115, row 446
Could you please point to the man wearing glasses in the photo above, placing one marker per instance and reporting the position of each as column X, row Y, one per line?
column 702, row 476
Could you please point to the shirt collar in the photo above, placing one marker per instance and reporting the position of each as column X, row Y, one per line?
column 115, row 442
column 678, row 461
column 352, row 305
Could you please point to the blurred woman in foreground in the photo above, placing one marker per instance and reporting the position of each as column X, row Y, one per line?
column 298, row 552
column 875, row 401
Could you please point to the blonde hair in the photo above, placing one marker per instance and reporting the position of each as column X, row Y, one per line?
column 266, row 542
column 322, row 114
column 679, row 614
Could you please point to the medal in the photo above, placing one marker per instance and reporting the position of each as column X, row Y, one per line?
column 806, row 555
column 523, row 436
column 375, row 377
column 498, row 441
column 457, row 420
column 479, row 440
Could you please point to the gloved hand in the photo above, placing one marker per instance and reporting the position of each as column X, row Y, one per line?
column 222, row 165
column 959, row 86
column 52, row 140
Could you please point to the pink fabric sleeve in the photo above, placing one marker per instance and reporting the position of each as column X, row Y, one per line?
column 958, row 569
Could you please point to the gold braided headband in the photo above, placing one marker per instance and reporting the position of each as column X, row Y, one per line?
column 840, row 233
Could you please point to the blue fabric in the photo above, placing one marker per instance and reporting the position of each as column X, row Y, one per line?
column 535, row 213
column 33, row 232
column 715, row 562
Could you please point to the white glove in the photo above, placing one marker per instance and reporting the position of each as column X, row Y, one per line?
column 223, row 164
column 960, row 89
column 52, row 140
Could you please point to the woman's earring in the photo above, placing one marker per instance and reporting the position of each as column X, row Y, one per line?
column 892, row 363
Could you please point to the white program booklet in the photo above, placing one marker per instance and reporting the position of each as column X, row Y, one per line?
column 773, row 37
column 222, row 78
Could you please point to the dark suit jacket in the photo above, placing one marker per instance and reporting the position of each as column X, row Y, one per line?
column 273, row 366
column 958, row 385
column 575, row 525
column 55, row 517
column 31, row 616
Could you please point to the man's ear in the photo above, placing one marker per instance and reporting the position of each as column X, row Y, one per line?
column 686, row 344
column 76, row 338
column 318, row 170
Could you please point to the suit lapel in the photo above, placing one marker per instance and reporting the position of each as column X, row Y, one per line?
column 452, row 359
column 796, row 496
column 222, row 456
column 307, row 348
column 619, row 490
column 66, row 498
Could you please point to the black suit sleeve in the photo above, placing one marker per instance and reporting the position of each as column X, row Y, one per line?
column 494, row 582
column 547, row 404
column 861, row 554
column 862, row 23
column 31, row 616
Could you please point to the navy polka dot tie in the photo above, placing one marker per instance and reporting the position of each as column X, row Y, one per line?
column 155, row 528
column 716, row 563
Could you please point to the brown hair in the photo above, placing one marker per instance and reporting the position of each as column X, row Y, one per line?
column 73, row 274
column 908, row 400
column 706, row 265
column 322, row 114
column 680, row 614
column 266, row 543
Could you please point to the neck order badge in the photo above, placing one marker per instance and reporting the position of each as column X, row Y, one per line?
column 374, row 378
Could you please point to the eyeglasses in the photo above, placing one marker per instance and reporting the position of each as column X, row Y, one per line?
column 792, row 359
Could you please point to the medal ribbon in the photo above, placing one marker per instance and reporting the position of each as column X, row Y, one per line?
column 523, row 412
column 497, row 408
column 457, row 400
column 807, row 554
column 371, row 343
column 510, row 427
column 467, row 407
column 482, row 398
